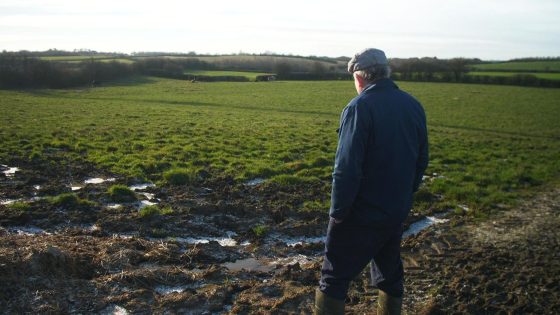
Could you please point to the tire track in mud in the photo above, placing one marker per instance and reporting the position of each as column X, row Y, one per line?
column 508, row 264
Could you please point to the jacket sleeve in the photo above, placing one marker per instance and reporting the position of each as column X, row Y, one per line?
column 350, row 155
column 422, row 162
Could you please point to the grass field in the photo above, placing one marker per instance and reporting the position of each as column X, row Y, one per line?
column 536, row 66
column 488, row 143
column 540, row 75
column 249, row 75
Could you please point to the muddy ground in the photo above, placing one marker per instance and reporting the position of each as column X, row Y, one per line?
column 206, row 258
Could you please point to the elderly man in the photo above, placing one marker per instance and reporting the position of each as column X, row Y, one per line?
column 381, row 156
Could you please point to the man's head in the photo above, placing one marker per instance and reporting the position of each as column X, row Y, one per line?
column 368, row 66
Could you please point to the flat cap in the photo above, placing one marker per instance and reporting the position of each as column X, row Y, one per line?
column 366, row 59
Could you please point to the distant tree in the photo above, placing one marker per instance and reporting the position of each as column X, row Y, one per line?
column 318, row 68
column 282, row 68
column 458, row 66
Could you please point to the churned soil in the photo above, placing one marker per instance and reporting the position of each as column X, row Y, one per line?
column 104, row 260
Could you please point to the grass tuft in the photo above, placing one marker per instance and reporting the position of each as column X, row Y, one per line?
column 121, row 193
column 179, row 176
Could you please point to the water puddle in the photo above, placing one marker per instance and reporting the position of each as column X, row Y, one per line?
column 249, row 264
column 93, row 181
column 226, row 241
column 113, row 206
column 164, row 290
column 266, row 264
column 141, row 186
column 97, row 180
column 255, row 181
column 421, row 225
column 292, row 242
column 114, row 310
column 11, row 171
column 144, row 203
column 148, row 196
column 6, row 202
column 27, row 230
column 37, row 187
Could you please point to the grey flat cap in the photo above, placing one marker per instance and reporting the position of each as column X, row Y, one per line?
column 367, row 58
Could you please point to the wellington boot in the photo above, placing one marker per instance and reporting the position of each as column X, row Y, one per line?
column 388, row 305
column 326, row 305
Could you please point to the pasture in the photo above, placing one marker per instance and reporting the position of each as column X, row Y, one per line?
column 487, row 142
column 153, row 194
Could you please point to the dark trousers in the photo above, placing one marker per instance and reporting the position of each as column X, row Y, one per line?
column 349, row 248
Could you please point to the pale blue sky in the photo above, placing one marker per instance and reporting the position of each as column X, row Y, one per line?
column 491, row 29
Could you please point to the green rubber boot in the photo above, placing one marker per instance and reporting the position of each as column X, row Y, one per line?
column 326, row 305
column 388, row 305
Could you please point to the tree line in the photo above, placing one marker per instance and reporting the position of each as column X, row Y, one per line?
column 18, row 70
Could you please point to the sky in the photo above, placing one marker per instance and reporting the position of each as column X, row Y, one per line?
column 487, row 29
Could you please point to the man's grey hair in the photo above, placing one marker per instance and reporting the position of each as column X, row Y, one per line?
column 374, row 73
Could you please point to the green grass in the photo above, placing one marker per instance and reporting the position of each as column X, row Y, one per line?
column 121, row 193
column 70, row 201
column 179, row 176
column 488, row 143
column 153, row 210
column 540, row 75
column 537, row 66
column 249, row 75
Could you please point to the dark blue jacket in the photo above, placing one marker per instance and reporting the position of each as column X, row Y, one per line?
column 381, row 156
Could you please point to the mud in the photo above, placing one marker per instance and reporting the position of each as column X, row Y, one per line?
column 205, row 258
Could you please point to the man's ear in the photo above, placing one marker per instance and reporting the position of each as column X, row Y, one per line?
column 359, row 82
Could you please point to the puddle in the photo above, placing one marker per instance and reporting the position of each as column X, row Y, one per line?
column 11, row 171
column 298, row 259
column 37, row 187
column 97, row 180
column 113, row 206
column 74, row 188
column 292, row 242
column 6, row 202
column 266, row 264
column 144, row 203
column 255, row 181
column 226, row 241
column 249, row 264
column 149, row 196
column 114, row 310
column 141, row 186
column 27, row 230
column 421, row 225
column 164, row 290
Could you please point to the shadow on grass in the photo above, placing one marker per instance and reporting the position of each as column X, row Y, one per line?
column 46, row 91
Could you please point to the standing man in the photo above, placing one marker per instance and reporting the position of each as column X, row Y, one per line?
column 381, row 156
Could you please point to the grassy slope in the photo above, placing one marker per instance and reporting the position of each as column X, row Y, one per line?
column 486, row 141
column 540, row 75
column 536, row 66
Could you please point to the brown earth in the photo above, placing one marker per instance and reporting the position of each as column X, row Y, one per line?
column 507, row 264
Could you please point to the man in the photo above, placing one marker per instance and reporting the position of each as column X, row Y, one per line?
column 381, row 156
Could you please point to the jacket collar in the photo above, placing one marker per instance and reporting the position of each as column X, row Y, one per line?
column 380, row 84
